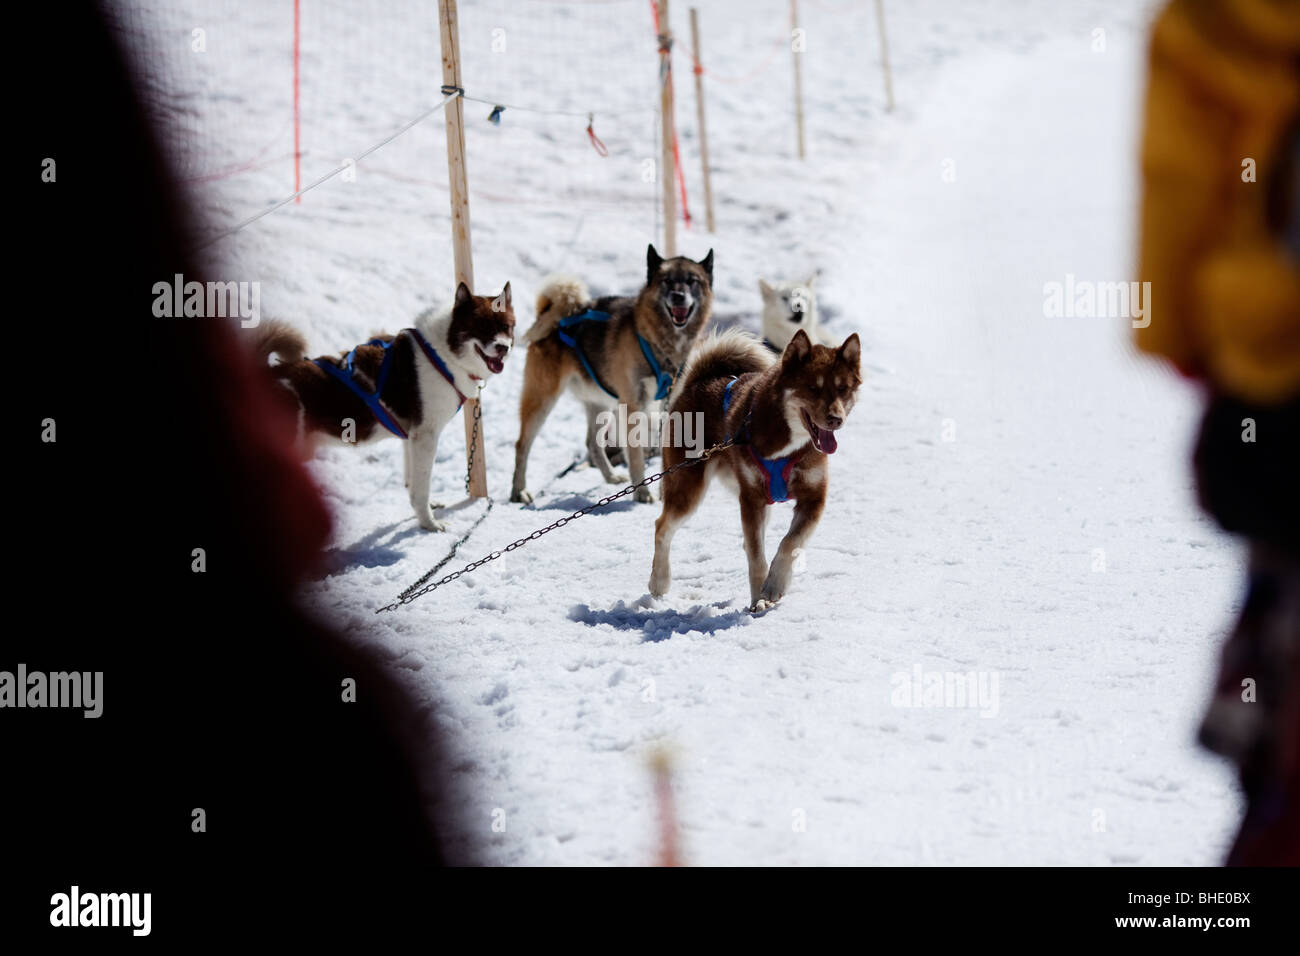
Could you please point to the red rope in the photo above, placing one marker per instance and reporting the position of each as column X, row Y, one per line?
column 596, row 144
column 681, row 180
column 677, row 153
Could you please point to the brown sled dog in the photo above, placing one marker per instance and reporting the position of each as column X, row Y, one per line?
column 784, row 413
column 617, row 349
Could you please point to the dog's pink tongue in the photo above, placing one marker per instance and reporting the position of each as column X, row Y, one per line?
column 826, row 441
column 681, row 311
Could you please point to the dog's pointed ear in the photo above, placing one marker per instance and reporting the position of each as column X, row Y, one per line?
column 707, row 265
column 798, row 351
column 765, row 289
column 652, row 262
column 851, row 351
column 463, row 295
column 502, row 302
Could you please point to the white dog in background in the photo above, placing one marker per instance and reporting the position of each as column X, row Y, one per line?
column 787, row 308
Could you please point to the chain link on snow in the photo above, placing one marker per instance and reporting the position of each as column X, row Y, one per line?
column 450, row 554
column 415, row 590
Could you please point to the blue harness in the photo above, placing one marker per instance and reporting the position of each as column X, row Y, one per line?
column 776, row 471
column 346, row 374
column 663, row 379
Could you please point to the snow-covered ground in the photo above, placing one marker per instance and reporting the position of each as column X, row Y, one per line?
column 1011, row 496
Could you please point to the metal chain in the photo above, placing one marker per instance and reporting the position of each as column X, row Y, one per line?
column 452, row 553
column 411, row 594
column 473, row 441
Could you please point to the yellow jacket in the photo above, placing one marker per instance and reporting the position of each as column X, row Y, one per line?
column 1223, row 95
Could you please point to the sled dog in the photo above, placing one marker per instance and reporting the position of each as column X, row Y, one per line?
column 788, row 307
column 783, row 412
column 410, row 384
column 616, row 349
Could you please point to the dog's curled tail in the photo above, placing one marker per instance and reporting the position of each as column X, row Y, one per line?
column 560, row 296
column 721, row 355
column 273, row 337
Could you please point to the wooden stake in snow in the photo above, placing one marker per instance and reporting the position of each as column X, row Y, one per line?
column 297, row 117
column 884, row 56
column 460, row 243
column 797, row 46
column 666, row 166
column 699, row 112
column 669, row 844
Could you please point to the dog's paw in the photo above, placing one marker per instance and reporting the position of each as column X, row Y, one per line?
column 772, row 592
column 436, row 505
column 762, row 606
column 429, row 523
column 616, row 478
column 522, row 496
column 658, row 586
column 644, row 495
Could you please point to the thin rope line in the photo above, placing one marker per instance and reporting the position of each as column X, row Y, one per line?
column 531, row 109
column 392, row 136
column 330, row 175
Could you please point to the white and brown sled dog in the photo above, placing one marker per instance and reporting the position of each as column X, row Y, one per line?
column 616, row 349
column 410, row 384
column 783, row 412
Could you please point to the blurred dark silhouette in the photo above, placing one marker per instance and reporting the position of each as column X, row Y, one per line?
column 1220, row 246
column 219, row 692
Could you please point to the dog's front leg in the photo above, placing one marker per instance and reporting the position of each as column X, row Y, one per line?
column 406, row 465
column 683, row 491
column 596, row 448
column 655, row 448
column 661, row 575
column 753, row 519
column 422, row 448
column 807, row 512
column 636, row 458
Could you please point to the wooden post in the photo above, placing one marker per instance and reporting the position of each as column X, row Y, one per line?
column 699, row 112
column 669, row 848
column 798, row 76
column 884, row 56
column 460, row 241
column 297, row 149
column 667, row 170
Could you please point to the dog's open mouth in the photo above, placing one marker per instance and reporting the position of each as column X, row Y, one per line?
column 796, row 316
column 823, row 439
column 680, row 314
column 495, row 364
